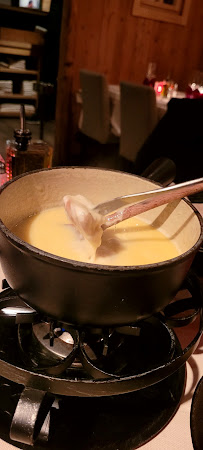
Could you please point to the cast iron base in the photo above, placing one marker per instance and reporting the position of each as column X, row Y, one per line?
column 123, row 422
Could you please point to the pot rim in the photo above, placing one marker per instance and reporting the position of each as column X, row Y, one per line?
column 90, row 267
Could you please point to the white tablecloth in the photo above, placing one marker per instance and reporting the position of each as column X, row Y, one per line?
column 114, row 92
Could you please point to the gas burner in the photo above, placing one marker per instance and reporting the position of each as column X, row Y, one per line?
column 49, row 348
column 91, row 361
column 93, row 366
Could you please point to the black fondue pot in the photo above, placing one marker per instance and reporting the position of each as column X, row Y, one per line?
column 90, row 294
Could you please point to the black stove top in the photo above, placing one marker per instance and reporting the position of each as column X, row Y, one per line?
column 92, row 388
column 40, row 351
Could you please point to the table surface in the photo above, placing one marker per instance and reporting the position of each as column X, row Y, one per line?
column 115, row 119
column 176, row 435
column 114, row 92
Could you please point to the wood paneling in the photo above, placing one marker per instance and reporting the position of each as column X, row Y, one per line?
column 104, row 36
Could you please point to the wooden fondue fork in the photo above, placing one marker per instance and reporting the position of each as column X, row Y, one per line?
column 141, row 202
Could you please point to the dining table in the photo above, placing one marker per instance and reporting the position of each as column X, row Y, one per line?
column 115, row 117
column 176, row 435
column 115, row 112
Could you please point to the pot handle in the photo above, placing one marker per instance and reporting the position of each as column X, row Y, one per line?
column 161, row 170
column 184, row 311
column 32, row 416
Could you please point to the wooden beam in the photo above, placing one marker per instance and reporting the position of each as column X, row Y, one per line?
column 64, row 136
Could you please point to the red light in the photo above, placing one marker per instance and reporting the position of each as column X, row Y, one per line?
column 159, row 89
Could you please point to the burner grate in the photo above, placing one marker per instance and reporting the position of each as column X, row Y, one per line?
column 97, row 362
column 67, row 371
column 97, row 353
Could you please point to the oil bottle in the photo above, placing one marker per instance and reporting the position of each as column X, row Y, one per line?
column 24, row 154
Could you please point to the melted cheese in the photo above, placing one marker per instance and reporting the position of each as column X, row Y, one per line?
column 133, row 242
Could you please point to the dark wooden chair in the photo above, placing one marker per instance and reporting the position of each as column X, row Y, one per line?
column 178, row 136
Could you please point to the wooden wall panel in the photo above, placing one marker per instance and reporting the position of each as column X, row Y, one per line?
column 111, row 40
column 104, row 36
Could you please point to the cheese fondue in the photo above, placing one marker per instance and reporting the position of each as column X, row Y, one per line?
column 82, row 215
column 133, row 242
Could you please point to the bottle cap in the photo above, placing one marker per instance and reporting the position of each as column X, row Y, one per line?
column 22, row 135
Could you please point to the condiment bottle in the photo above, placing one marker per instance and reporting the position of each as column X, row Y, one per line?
column 24, row 154
column 151, row 75
column 3, row 177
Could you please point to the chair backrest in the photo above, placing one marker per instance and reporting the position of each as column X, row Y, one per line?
column 96, row 106
column 178, row 136
column 138, row 117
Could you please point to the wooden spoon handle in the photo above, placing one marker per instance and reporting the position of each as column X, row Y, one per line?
column 176, row 192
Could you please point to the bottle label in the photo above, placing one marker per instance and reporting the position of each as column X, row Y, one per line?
column 36, row 158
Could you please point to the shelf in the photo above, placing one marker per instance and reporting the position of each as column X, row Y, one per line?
column 31, row 37
column 15, row 114
column 21, row 10
column 24, row 72
column 20, row 43
column 17, row 44
column 18, row 96
column 15, row 51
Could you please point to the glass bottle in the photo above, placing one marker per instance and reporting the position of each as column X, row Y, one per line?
column 3, row 177
column 151, row 75
column 23, row 154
